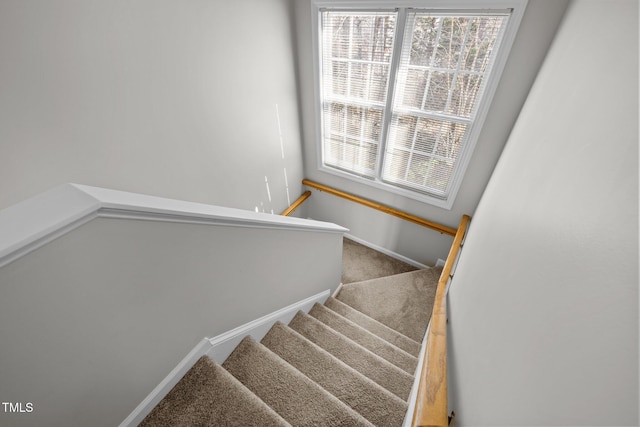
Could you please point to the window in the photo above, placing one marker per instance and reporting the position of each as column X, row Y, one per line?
column 403, row 92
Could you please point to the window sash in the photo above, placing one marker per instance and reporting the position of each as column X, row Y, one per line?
column 355, row 87
column 438, row 88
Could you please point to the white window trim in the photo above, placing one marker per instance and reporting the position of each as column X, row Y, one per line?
column 518, row 8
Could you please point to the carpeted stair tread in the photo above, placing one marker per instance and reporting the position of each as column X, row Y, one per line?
column 296, row 398
column 376, row 404
column 359, row 358
column 209, row 395
column 372, row 325
column 360, row 262
column 368, row 340
column 402, row 302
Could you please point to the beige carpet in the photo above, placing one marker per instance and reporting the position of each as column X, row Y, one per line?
column 359, row 358
column 378, row 405
column 349, row 362
column 209, row 395
column 366, row 339
column 298, row 399
column 401, row 341
column 403, row 305
column 360, row 262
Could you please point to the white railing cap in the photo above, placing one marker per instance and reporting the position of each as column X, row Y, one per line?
column 30, row 224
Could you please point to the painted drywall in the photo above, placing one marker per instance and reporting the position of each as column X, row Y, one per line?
column 405, row 238
column 544, row 303
column 91, row 322
column 194, row 100
column 538, row 26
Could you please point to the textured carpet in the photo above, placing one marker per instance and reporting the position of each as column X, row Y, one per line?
column 383, row 331
column 360, row 262
column 209, row 395
column 376, row 404
column 349, row 362
column 366, row 339
column 359, row 358
column 288, row 391
column 402, row 302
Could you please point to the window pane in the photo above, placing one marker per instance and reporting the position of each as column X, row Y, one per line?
column 404, row 127
column 377, row 89
column 372, row 126
column 354, row 120
column 439, row 173
column 451, row 41
column 351, row 154
column 483, row 34
column 339, row 26
column 438, row 92
column 440, row 80
column 449, row 140
column 421, row 152
column 356, row 54
column 333, row 149
column 416, row 171
column 464, row 94
column 414, row 87
column 419, row 169
column 427, row 135
column 356, row 58
column 351, row 137
column 339, row 75
column 438, row 41
column 335, row 118
column 396, row 164
column 423, row 41
column 369, row 34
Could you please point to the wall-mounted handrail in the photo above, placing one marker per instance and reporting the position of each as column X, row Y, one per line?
column 383, row 208
column 431, row 403
column 297, row 203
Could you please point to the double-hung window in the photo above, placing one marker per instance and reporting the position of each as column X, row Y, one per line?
column 403, row 91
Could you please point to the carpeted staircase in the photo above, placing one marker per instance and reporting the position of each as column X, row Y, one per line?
column 349, row 362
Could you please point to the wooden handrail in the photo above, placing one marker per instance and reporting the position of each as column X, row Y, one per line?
column 431, row 403
column 383, row 208
column 297, row 203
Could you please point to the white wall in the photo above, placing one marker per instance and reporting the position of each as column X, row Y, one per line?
column 91, row 322
column 544, row 303
column 194, row 100
column 536, row 32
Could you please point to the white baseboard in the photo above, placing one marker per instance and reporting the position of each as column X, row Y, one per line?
column 408, row 419
column 218, row 349
column 386, row 251
column 337, row 291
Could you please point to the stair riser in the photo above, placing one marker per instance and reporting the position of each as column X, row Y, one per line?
column 401, row 341
column 218, row 349
column 362, row 360
column 294, row 396
column 375, row 403
column 370, row 341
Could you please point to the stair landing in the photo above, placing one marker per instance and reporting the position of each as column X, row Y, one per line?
column 360, row 262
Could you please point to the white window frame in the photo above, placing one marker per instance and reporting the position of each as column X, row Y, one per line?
column 517, row 7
